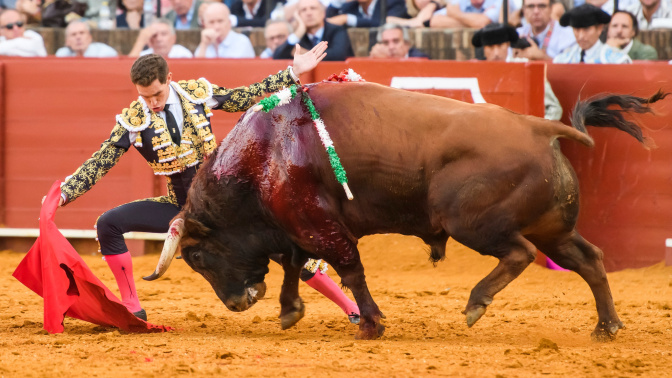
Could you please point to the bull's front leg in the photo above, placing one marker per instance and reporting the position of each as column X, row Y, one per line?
column 292, row 308
column 352, row 277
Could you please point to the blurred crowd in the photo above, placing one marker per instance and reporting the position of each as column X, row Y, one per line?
column 578, row 31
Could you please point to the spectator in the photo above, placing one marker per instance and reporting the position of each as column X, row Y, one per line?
column 78, row 42
column 587, row 22
column 393, row 42
column 288, row 11
column 648, row 10
column 184, row 14
column 201, row 10
column 160, row 38
column 275, row 33
column 420, row 13
column 250, row 12
column 15, row 40
column 131, row 16
column 496, row 40
column 311, row 29
column 365, row 13
column 463, row 14
column 549, row 37
column 621, row 34
column 217, row 38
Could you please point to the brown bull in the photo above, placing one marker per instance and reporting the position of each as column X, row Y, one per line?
column 417, row 164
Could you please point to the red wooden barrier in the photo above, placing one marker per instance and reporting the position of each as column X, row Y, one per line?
column 2, row 144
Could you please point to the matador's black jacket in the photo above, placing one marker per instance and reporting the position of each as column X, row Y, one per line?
column 143, row 128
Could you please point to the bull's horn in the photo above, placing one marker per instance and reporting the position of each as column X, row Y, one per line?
column 169, row 249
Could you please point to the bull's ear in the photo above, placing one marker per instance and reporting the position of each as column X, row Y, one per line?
column 193, row 227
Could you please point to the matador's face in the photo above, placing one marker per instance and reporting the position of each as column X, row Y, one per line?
column 155, row 94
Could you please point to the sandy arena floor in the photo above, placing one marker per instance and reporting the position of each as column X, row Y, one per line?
column 539, row 325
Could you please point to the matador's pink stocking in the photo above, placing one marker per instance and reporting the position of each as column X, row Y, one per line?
column 122, row 268
column 327, row 287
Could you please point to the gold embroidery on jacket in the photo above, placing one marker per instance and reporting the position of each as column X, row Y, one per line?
column 134, row 118
column 95, row 167
column 241, row 98
column 171, row 190
column 196, row 91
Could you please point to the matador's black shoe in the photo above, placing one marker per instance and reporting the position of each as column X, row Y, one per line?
column 354, row 318
column 141, row 314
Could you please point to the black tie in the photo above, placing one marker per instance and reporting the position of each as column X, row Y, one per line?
column 583, row 55
column 172, row 125
column 315, row 40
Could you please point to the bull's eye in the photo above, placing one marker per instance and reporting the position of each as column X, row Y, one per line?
column 196, row 256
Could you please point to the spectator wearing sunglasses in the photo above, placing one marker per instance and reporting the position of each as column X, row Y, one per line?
column 15, row 40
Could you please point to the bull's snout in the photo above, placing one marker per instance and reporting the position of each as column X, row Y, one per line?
column 250, row 296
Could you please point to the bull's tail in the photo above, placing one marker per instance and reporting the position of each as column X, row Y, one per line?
column 595, row 111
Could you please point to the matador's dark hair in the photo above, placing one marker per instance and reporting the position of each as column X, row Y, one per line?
column 148, row 68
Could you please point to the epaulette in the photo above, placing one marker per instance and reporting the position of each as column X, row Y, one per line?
column 196, row 91
column 136, row 117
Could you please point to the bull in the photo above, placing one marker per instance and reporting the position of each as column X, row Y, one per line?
column 493, row 180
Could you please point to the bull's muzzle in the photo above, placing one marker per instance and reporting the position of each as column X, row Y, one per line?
column 169, row 248
column 250, row 296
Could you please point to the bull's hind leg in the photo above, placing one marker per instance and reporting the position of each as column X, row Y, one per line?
column 511, row 264
column 292, row 308
column 578, row 255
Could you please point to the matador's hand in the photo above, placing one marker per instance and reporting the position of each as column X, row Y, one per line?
column 306, row 62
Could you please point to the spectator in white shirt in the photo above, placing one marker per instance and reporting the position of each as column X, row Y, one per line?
column 160, row 39
column 15, row 40
column 648, row 10
column 78, row 42
column 217, row 38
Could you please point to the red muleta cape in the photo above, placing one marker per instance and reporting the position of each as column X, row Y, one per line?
column 55, row 271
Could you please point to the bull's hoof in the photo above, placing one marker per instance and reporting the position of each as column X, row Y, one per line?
column 606, row 332
column 289, row 319
column 370, row 333
column 474, row 314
